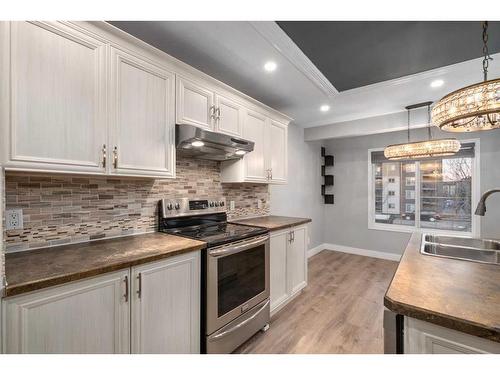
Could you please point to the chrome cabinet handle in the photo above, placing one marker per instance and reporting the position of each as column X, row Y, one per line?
column 103, row 150
column 115, row 157
column 139, row 290
column 218, row 114
column 126, row 288
column 271, row 173
column 212, row 111
column 293, row 236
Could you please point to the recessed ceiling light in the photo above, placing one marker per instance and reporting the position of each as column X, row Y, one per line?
column 197, row 143
column 324, row 108
column 437, row 83
column 240, row 152
column 270, row 66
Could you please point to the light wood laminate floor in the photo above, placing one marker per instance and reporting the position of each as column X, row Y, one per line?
column 340, row 311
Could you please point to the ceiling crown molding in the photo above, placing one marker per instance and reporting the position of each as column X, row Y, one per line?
column 270, row 31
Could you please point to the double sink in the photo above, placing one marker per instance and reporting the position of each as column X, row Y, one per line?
column 472, row 249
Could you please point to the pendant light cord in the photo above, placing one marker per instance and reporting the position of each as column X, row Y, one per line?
column 486, row 53
column 429, row 121
column 408, row 109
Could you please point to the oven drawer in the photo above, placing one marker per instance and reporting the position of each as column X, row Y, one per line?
column 232, row 335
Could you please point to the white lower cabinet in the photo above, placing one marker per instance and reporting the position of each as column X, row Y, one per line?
column 90, row 316
column 288, row 264
column 166, row 306
column 427, row 338
column 152, row 308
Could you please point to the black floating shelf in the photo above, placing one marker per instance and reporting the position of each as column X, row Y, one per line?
column 328, row 178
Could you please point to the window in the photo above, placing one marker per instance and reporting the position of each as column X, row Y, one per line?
column 430, row 194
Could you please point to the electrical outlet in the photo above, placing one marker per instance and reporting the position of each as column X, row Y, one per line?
column 259, row 204
column 14, row 219
column 231, row 205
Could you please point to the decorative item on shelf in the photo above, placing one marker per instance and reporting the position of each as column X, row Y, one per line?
column 328, row 178
column 422, row 149
column 471, row 108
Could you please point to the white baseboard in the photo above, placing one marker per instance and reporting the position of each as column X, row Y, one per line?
column 354, row 250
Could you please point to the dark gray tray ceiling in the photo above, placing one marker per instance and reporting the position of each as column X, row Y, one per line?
column 355, row 54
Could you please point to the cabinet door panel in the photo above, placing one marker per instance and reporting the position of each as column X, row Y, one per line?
column 278, row 267
column 90, row 316
column 277, row 151
column 57, row 98
column 194, row 104
column 143, row 119
column 166, row 315
column 297, row 260
column 255, row 129
column 426, row 338
column 230, row 116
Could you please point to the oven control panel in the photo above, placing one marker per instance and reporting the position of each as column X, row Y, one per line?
column 187, row 206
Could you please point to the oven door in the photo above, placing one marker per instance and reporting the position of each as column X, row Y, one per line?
column 237, row 280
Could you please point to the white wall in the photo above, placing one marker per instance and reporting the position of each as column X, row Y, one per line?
column 301, row 196
column 346, row 222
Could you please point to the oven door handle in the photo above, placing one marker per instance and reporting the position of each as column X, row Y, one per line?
column 239, row 325
column 233, row 249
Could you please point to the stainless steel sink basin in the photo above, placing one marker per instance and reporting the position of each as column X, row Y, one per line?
column 472, row 249
column 476, row 243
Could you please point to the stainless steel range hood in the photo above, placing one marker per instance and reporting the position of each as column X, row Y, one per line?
column 204, row 144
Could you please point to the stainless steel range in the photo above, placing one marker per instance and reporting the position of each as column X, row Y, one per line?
column 235, row 270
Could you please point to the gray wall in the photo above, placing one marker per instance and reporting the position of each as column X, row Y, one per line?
column 346, row 222
column 301, row 196
column 367, row 126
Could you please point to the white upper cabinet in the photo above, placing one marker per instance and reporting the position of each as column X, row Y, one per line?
column 255, row 129
column 85, row 97
column 277, row 152
column 57, row 98
column 229, row 116
column 142, row 117
column 195, row 104
column 267, row 163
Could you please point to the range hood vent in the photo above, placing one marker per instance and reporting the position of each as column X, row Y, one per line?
column 199, row 143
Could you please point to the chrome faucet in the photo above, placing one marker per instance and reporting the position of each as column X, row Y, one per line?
column 481, row 206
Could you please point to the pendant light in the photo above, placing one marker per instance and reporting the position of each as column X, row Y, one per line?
column 472, row 108
column 423, row 149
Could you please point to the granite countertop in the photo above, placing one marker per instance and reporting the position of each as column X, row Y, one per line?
column 36, row 269
column 457, row 294
column 273, row 222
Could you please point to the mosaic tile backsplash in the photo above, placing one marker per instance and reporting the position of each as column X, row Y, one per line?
column 61, row 209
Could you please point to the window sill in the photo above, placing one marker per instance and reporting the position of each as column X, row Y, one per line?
column 408, row 229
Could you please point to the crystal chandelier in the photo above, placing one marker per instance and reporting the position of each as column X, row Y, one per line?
column 472, row 108
column 422, row 149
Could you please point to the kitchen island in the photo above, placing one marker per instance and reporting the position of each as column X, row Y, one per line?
column 456, row 295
